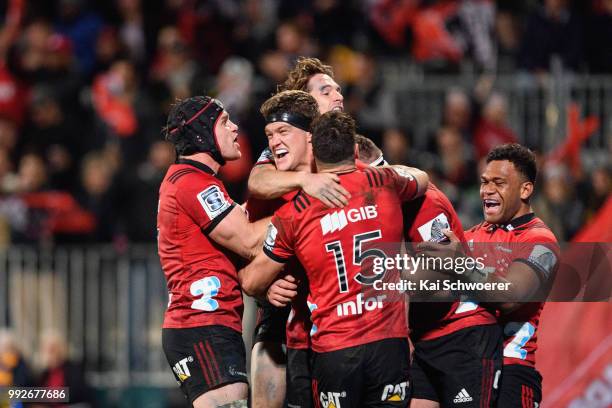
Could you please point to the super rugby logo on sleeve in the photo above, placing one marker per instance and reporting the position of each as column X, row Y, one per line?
column 213, row 201
column 544, row 258
column 270, row 237
column 432, row 230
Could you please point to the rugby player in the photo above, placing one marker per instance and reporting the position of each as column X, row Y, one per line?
column 269, row 181
column 198, row 226
column 288, row 117
column 527, row 259
column 361, row 350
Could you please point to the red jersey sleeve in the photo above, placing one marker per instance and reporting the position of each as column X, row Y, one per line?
column 280, row 241
column 540, row 251
column 266, row 157
column 405, row 183
column 207, row 203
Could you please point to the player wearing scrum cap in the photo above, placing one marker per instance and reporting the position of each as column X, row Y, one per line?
column 198, row 226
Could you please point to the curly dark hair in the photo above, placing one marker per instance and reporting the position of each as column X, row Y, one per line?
column 524, row 159
column 333, row 138
column 292, row 102
column 304, row 69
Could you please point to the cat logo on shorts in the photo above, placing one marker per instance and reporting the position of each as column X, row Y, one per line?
column 331, row 399
column 395, row 392
column 181, row 370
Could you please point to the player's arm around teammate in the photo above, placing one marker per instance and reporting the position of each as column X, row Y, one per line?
column 198, row 225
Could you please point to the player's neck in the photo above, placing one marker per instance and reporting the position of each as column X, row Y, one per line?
column 204, row 158
column 525, row 209
column 335, row 168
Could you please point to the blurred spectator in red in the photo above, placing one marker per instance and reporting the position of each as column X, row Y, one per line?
column 125, row 112
column 13, row 96
column 60, row 371
column 82, row 26
column 393, row 20
column 599, row 39
column 14, row 371
column 493, row 129
column 552, row 30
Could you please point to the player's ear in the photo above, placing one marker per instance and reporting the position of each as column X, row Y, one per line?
column 526, row 190
column 308, row 137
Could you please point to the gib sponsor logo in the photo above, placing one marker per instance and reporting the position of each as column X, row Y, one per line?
column 331, row 399
column 181, row 370
column 360, row 306
column 336, row 221
column 395, row 392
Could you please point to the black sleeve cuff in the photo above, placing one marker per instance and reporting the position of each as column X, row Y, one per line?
column 218, row 219
column 274, row 257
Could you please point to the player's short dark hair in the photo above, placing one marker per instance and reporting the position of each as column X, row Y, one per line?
column 333, row 138
column 291, row 101
column 368, row 151
column 524, row 159
column 304, row 69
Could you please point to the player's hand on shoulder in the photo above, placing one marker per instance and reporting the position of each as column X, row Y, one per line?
column 449, row 248
column 326, row 187
column 421, row 177
column 282, row 291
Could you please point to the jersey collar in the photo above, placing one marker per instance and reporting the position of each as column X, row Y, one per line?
column 515, row 223
column 197, row 164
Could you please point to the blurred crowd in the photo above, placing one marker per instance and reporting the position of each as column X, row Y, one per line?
column 85, row 86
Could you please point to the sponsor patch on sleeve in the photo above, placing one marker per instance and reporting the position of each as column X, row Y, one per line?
column 544, row 258
column 265, row 157
column 270, row 237
column 403, row 172
column 432, row 230
column 213, row 201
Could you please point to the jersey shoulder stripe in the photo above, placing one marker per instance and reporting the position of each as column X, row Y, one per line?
column 174, row 177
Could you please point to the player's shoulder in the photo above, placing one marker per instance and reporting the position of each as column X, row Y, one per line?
column 473, row 231
column 187, row 176
column 535, row 230
column 381, row 176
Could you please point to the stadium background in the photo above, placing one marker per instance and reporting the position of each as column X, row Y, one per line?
column 85, row 86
